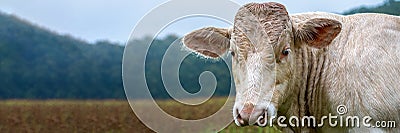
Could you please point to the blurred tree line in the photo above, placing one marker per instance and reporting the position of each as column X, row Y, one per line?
column 36, row 63
column 391, row 7
column 189, row 71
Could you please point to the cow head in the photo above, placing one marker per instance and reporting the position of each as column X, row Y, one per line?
column 262, row 42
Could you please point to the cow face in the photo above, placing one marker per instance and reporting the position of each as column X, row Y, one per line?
column 262, row 42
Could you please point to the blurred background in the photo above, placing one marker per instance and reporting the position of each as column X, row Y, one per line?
column 55, row 52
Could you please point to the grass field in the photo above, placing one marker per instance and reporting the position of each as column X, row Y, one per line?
column 103, row 116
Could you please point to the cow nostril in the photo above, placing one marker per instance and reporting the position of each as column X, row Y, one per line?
column 240, row 119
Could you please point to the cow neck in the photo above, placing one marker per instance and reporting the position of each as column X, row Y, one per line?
column 309, row 77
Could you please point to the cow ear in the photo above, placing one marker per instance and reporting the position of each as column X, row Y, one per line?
column 318, row 32
column 209, row 42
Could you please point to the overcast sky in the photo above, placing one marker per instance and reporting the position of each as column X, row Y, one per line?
column 113, row 20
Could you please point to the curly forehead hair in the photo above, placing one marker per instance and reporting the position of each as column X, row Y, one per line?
column 272, row 16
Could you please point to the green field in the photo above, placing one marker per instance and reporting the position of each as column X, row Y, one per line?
column 95, row 116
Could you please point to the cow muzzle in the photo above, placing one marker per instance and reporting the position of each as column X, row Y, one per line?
column 250, row 114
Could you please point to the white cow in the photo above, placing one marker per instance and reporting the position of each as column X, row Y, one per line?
column 309, row 66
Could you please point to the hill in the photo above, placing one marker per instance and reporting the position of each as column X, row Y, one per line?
column 40, row 64
column 391, row 7
column 36, row 63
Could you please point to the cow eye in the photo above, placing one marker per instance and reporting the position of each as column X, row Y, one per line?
column 232, row 53
column 286, row 51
